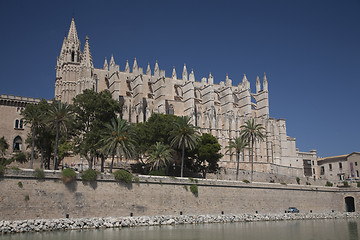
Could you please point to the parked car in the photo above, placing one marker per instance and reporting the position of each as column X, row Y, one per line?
column 292, row 210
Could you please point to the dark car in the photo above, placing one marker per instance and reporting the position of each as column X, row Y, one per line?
column 292, row 210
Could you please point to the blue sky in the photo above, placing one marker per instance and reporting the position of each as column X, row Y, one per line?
column 309, row 49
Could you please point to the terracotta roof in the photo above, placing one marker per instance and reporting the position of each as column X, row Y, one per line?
column 339, row 157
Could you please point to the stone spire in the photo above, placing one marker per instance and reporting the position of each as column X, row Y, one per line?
column 156, row 69
column 63, row 48
column 228, row 81
column 148, row 69
column 72, row 35
column 184, row 73
column 265, row 83
column 210, row 79
column 258, row 85
column 135, row 66
column 127, row 67
column 112, row 61
column 106, row 66
column 192, row 76
column 174, row 74
column 86, row 56
column 245, row 82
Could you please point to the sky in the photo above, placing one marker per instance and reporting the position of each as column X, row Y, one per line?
column 309, row 50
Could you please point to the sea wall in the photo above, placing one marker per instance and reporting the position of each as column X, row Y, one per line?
column 50, row 198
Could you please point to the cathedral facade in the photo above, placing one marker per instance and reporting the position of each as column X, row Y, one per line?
column 216, row 108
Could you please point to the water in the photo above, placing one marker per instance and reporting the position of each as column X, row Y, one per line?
column 339, row 229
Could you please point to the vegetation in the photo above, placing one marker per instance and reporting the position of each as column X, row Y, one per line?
column 118, row 138
column 123, row 176
column 252, row 132
column 194, row 189
column 238, row 144
column 298, row 180
column 89, row 175
column 184, row 136
column 272, row 181
column 346, row 184
column 307, row 183
column 27, row 198
column 3, row 146
column 358, row 184
column 14, row 168
column 246, row 181
column 20, row 157
column 39, row 174
column 159, row 156
column 68, row 175
column 20, row 184
column 160, row 172
column 282, row 183
column 2, row 170
column 328, row 184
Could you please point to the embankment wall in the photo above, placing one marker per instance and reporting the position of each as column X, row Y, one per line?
column 51, row 198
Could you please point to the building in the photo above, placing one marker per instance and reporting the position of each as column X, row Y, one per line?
column 339, row 168
column 216, row 108
column 12, row 126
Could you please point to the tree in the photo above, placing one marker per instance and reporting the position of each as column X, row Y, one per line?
column 183, row 136
column 92, row 110
column 206, row 155
column 238, row 144
column 33, row 117
column 118, row 138
column 160, row 155
column 3, row 146
column 60, row 118
column 252, row 133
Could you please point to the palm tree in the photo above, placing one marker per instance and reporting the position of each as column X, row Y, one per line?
column 252, row 133
column 60, row 118
column 184, row 135
column 160, row 155
column 34, row 118
column 118, row 138
column 238, row 144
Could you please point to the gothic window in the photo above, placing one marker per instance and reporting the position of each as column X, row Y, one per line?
column 17, row 123
column 178, row 91
column 17, row 144
column 21, row 124
column 72, row 56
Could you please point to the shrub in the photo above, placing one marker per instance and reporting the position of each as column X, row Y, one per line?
column 298, row 180
column 123, row 176
column 328, row 184
column 307, row 183
column 39, row 173
column 246, row 181
column 194, row 189
column 282, row 183
column 136, row 179
column 160, row 172
column 186, row 187
column 272, row 181
column 2, row 170
column 27, row 198
column 358, row 184
column 346, row 183
column 193, row 180
column 20, row 184
column 68, row 175
column 15, row 168
column 89, row 175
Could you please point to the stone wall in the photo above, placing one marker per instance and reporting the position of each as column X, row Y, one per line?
column 51, row 198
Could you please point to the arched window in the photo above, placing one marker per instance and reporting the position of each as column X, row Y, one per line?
column 72, row 56
column 21, row 124
column 17, row 123
column 17, row 144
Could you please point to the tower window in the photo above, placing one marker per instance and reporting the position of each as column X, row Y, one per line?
column 72, row 56
column 17, row 123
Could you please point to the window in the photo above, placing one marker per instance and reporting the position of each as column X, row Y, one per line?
column 313, row 163
column 16, row 123
column 73, row 56
column 313, row 170
column 322, row 170
column 355, row 163
column 21, row 124
column 17, row 144
column 357, row 173
column 330, row 167
column 340, row 165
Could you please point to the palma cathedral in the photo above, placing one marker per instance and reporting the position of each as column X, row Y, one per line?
column 216, row 108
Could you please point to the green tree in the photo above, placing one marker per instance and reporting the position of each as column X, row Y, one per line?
column 59, row 117
column 92, row 110
column 252, row 132
column 3, row 146
column 238, row 144
column 159, row 156
column 184, row 136
column 206, row 155
column 33, row 117
column 118, row 138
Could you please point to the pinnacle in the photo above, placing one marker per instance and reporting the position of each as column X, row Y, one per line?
column 72, row 35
